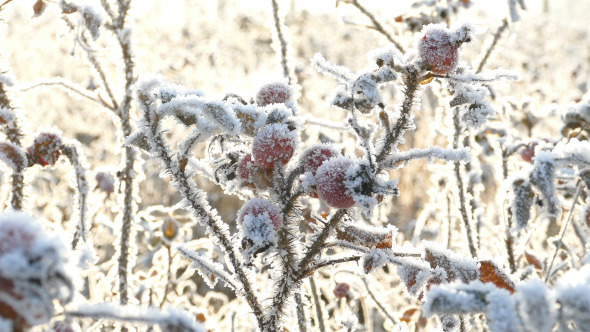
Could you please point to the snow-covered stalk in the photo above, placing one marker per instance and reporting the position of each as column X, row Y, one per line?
column 170, row 320
column 78, row 161
column 393, row 136
column 194, row 198
column 14, row 135
column 461, row 188
column 281, row 42
column 317, row 305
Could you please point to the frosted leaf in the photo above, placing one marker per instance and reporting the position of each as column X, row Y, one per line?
column 501, row 312
column 365, row 93
column 456, row 266
column 543, row 178
column 251, row 117
column 522, row 201
column 386, row 56
column 457, row 299
column 374, row 260
column 476, row 114
column 348, row 320
column 512, row 4
column 92, row 20
column 536, row 306
column 415, row 275
column 367, row 235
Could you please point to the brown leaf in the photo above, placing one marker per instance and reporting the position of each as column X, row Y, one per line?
column 377, row 238
column 534, row 260
column 454, row 266
column 39, row 7
column 489, row 272
column 408, row 314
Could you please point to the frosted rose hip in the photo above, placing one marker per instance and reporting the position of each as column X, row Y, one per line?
column 275, row 142
column 273, row 93
column 330, row 179
column 259, row 208
column 316, row 155
column 437, row 50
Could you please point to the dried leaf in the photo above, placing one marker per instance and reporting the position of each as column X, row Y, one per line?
column 534, row 260
column 13, row 156
column 366, row 237
column 427, row 79
column 408, row 314
column 489, row 272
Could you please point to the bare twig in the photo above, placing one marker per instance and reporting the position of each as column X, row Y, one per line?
column 68, row 86
column 377, row 26
column 317, row 304
column 564, row 228
column 497, row 36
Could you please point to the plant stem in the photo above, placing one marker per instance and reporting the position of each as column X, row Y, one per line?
column 377, row 26
column 563, row 229
column 317, row 304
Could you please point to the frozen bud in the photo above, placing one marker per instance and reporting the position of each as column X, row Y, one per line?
column 46, row 149
column 274, row 143
column 314, row 156
column 274, row 93
column 32, row 271
column 330, row 182
column 105, row 182
column 437, row 50
column 342, row 290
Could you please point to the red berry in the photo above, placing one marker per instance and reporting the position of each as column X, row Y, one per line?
column 314, row 156
column 275, row 142
column 437, row 50
column 244, row 167
column 330, row 184
column 261, row 208
column 46, row 149
column 341, row 290
column 273, row 93
column 528, row 152
column 105, row 182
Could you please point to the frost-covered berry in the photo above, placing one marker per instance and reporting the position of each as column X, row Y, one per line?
column 46, row 149
column 105, row 182
column 274, row 142
column 244, row 167
column 528, row 152
column 341, row 290
column 262, row 210
column 437, row 50
column 274, row 93
column 330, row 182
column 260, row 220
column 314, row 156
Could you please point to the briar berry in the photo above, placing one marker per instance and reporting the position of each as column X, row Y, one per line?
column 439, row 48
column 46, row 149
column 528, row 153
column 342, row 290
column 330, row 182
column 274, row 93
column 105, row 182
column 274, row 143
column 314, row 156
column 261, row 210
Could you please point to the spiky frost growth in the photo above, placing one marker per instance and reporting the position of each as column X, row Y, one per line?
column 32, row 271
column 89, row 16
